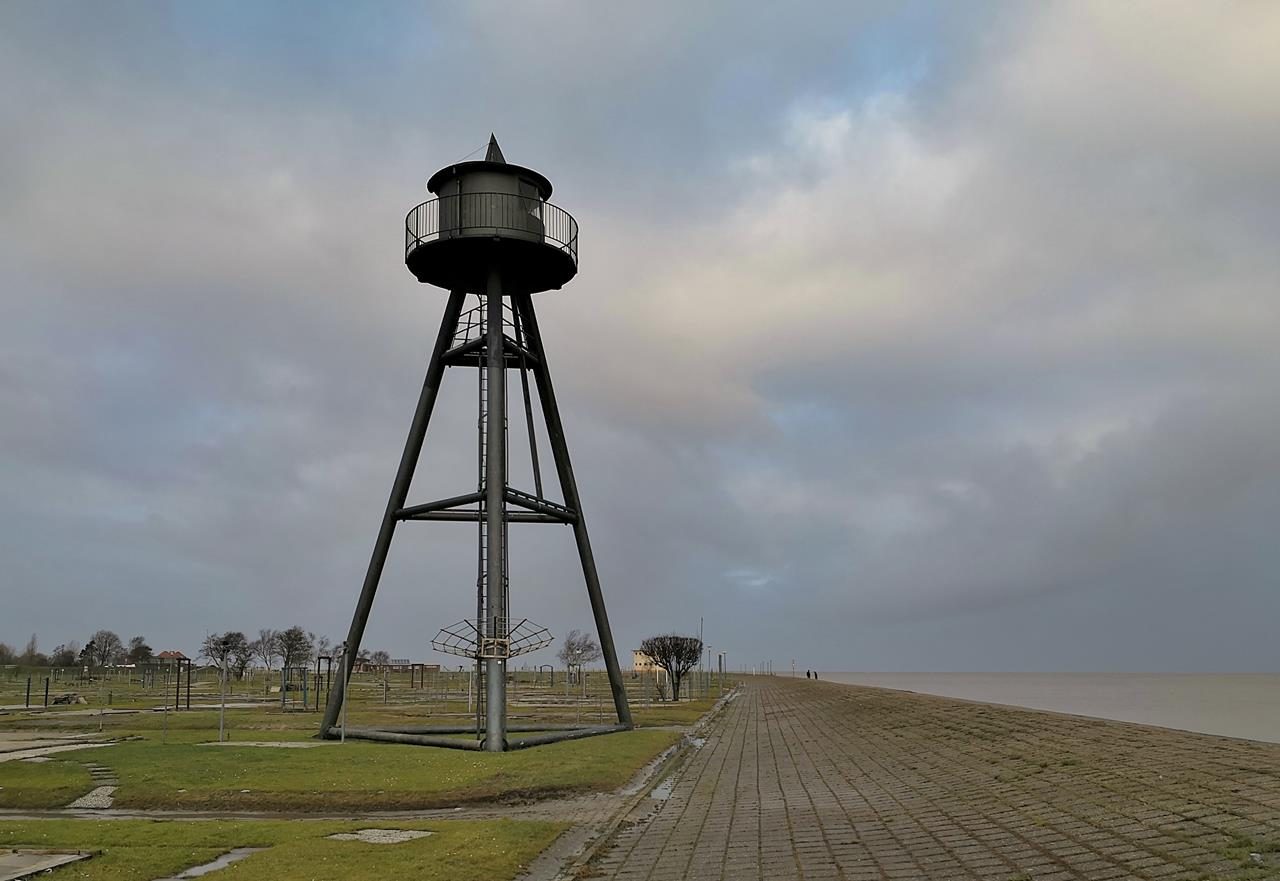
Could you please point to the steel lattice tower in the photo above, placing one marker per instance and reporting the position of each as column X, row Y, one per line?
column 489, row 234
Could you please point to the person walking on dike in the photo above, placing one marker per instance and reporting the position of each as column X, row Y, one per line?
column 806, row 674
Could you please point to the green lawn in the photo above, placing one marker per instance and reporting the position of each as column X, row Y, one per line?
column 662, row 713
column 160, row 764
column 45, row 785
column 333, row 776
column 136, row 850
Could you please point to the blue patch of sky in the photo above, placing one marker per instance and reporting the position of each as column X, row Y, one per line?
column 306, row 53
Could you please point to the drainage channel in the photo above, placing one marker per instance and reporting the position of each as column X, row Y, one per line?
column 231, row 856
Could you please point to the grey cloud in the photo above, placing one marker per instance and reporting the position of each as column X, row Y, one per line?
column 895, row 341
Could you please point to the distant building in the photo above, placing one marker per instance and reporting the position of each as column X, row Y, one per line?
column 642, row 663
column 172, row 656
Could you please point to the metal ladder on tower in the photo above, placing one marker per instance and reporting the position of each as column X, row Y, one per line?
column 482, row 560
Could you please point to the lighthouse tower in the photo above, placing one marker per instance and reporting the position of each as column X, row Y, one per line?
column 492, row 240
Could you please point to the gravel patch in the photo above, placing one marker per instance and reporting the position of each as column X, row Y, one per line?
column 380, row 836
column 98, row 799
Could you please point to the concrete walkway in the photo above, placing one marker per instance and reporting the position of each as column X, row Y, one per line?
column 812, row 780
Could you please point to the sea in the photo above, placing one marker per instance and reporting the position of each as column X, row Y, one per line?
column 1245, row 705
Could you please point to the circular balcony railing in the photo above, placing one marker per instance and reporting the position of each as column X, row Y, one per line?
column 501, row 214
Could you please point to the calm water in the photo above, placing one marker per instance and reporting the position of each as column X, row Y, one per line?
column 1235, row 704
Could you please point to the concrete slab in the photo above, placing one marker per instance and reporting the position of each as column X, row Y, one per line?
column 15, row 744
column 92, row 712
column 22, row 754
column 23, row 863
column 278, row 744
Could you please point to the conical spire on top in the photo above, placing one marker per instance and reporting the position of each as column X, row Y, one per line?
column 491, row 162
column 494, row 153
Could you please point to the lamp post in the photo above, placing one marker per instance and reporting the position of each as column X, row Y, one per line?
column 225, row 645
column 346, row 685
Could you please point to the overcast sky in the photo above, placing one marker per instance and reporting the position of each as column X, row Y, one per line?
column 906, row 336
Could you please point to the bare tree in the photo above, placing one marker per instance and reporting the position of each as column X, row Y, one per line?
column 579, row 648
column 222, row 648
column 323, row 645
column 675, row 654
column 106, row 647
column 380, row 658
column 294, row 646
column 264, row 647
column 213, row 649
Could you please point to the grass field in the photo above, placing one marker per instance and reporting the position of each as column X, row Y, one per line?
column 332, row 776
column 166, row 760
column 129, row 850
column 52, row 784
column 369, row 775
column 163, row 760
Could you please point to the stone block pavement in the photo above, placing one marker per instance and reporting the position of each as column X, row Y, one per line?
column 815, row 780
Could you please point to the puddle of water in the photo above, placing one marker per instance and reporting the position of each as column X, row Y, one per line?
column 232, row 856
column 662, row 791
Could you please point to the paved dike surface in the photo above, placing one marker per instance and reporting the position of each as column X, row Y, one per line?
column 814, row 780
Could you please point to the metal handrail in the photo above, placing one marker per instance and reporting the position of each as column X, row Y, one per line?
column 497, row 211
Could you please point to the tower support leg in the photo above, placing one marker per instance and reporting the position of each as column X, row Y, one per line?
column 399, row 492
column 569, row 487
column 495, row 728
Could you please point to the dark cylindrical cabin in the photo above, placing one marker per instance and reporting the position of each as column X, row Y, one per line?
column 491, row 215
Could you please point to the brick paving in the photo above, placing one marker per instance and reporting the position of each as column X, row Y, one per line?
column 821, row 781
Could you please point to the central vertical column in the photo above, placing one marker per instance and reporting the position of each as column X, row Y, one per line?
column 495, row 731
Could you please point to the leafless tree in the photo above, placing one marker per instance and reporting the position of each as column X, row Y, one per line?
column 106, row 647
column 222, row 648
column 380, row 658
column 578, row 648
column 264, row 648
column 675, row 654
